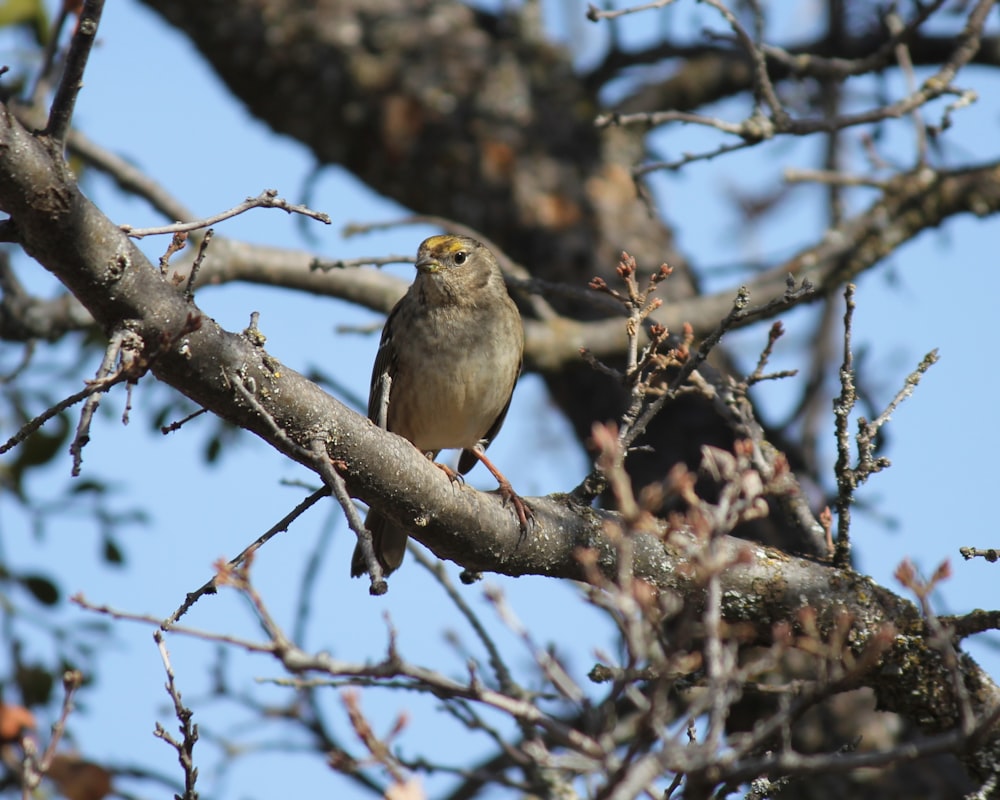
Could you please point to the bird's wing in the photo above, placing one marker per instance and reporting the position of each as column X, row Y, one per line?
column 467, row 460
column 382, row 375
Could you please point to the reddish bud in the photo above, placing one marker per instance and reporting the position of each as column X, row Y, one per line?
column 943, row 572
column 906, row 573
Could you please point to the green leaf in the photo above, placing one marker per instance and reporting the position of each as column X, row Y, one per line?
column 43, row 590
column 34, row 684
column 213, row 449
column 112, row 552
column 89, row 485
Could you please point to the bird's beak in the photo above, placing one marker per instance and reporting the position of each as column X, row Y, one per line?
column 427, row 264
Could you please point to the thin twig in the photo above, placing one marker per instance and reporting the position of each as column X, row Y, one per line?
column 189, row 731
column 112, row 354
column 148, row 619
column 895, row 25
column 131, row 368
column 177, row 424
column 503, row 674
column 776, row 332
column 909, row 385
column 34, row 767
column 211, row 586
column 842, row 407
column 328, row 264
column 756, row 127
column 763, row 88
column 832, row 178
column 72, row 680
column 33, row 425
column 812, row 65
column 594, row 14
column 741, row 305
column 196, row 264
column 266, row 199
column 338, row 488
column 64, row 102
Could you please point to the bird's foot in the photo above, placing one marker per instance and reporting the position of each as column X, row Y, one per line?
column 525, row 516
column 453, row 476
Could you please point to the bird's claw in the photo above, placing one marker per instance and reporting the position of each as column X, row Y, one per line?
column 453, row 476
column 525, row 516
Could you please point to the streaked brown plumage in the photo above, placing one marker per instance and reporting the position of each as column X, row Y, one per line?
column 445, row 371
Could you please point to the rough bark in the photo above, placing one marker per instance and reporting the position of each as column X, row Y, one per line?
column 231, row 375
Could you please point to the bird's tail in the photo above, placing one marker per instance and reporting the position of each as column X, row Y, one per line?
column 388, row 541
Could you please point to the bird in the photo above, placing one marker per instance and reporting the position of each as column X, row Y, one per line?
column 447, row 362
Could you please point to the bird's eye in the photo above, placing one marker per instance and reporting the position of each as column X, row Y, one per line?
column 460, row 257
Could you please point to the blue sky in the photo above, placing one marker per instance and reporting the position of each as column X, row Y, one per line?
column 149, row 97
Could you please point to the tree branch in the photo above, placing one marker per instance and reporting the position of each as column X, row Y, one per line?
column 98, row 263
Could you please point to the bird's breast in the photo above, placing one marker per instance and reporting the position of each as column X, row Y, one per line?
column 454, row 404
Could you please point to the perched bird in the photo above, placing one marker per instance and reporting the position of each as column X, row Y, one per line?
column 444, row 375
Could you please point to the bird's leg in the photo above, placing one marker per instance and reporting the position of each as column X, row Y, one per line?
column 452, row 475
column 523, row 511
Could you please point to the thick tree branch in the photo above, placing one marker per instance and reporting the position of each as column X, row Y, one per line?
column 409, row 87
column 909, row 205
column 98, row 263
column 708, row 73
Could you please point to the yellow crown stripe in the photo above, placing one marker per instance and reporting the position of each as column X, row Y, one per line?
column 444, row 244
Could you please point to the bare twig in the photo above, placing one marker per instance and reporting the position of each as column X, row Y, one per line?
column 72, row 79
column 842, row 407
column 123, row 348
column 189, row 730
column 763, row 88
column 94, row 387
column 991, row 554
column 211, row 586
column 758, row 375
column 196, row 264
column 812, row 65
column 550, row 667
column 379, row 748
column 641, row 413
column 327, row 264
column 976, row 621
column 849, row 477
column 831, row 177
column 638, row 303
column 336, row 486
column 686, row 158
column 500, row 669
column 318, row 456
column 35, row 766
column 266, row 199
column 756, row 127
column 148, row 619
column 895, row 25
column 594, row 14
column 177, row 424
column 72, row 680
